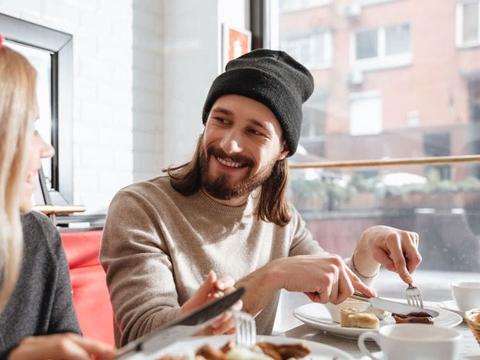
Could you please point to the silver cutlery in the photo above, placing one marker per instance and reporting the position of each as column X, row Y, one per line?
column 245, row 329
column 414, row 296
column 392, row 306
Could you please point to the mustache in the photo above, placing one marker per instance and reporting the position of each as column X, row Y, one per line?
column 219, row 153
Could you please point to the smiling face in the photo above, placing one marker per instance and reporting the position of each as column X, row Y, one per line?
column 241, row 144
column 38, row 150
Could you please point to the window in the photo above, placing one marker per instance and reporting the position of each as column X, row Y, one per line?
column 437, row 144
column 313, row 125
column 371, row 2
column 365, row 114
column 293, row 5
column 382, row 47
column 429, row 108
column 313, row 50
column 50, row 52
column 468, row 23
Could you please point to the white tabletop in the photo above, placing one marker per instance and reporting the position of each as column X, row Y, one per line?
column 287, row 325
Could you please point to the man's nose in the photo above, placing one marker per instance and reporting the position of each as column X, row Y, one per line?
column 231, row 143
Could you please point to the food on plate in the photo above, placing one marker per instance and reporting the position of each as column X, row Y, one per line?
column 350, row 317
column 285, row 351
column 361, row 306
column 335, row 310
column 262, row 351
column 379, row 313
column 413, row 317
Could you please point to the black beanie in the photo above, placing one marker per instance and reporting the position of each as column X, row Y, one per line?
column 273, row 78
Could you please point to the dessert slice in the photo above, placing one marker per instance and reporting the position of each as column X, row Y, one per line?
column 353, row 318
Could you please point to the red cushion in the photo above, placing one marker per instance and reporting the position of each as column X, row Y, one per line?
column 90, row 294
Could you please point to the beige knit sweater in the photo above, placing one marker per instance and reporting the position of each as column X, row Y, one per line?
column 158, row 246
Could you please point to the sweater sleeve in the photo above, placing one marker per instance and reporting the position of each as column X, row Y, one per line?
column 138, row 267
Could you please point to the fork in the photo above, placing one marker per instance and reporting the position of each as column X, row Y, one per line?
column 245, row 329
column 414, row 296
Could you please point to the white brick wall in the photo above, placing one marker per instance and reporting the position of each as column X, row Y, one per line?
column 142, row 69
column 118, row 104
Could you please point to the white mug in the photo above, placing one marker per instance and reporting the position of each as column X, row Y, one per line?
column 413, row 341
column 466, row 294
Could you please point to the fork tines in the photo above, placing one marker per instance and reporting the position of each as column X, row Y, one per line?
column 414, row 296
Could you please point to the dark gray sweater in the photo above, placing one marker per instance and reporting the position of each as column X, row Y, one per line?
column 42, row 301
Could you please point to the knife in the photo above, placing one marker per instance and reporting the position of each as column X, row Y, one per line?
column 185, row 326
column 393, row 306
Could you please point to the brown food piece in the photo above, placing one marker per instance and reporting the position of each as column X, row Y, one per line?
column 284, row 352
column 476, row 318
column 419, row 314
column 269, row 350
column 210, row 353
column 229, row 345
column 413, row 318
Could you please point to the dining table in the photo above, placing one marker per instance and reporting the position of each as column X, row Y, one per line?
column 287, row 325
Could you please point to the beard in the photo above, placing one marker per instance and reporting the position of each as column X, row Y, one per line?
column 220, row 187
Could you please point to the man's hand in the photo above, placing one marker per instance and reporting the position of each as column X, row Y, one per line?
column 211, row 289
column 393, row 248
column 322, row 278
column 61, row 346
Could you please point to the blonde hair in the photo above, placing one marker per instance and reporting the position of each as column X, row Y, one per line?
column 17, row 112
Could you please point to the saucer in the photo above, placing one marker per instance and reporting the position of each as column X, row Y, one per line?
column 451, row 305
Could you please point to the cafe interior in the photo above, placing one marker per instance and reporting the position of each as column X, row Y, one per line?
column 390, row 136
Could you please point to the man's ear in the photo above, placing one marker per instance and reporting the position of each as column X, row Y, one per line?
column 285, row 151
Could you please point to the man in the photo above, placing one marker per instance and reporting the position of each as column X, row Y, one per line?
column 226, row 211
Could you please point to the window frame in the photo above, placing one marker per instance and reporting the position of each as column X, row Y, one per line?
column 381, row 61
column 60, row 44
column 306, row 4
column 459, row 25
column 312, row 40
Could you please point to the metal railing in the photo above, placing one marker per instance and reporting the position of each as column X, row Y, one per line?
column 434, row 160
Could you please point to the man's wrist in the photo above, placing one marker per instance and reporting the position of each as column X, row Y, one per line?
column 273, row 275
column 372, row 272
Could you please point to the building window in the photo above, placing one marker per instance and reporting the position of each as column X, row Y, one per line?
column 50, row 53
column 437, row 144
column 313, row 50
column 371, row 2
column 313, row 124
column 382, row 47
column 468, row 23
column 295, row 5
column 365, row 114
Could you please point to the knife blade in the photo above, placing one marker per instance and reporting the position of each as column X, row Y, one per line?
column 393, row 306
column 185, row 326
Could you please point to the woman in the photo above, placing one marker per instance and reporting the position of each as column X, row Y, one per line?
column 37, row 317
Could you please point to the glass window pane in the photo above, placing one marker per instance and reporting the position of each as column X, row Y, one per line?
column 366, row 44
column 376, row 109
column 397, row 39
column 470, row 22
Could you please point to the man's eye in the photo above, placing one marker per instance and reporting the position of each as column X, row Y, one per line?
column 220, row 120
column 256, row 132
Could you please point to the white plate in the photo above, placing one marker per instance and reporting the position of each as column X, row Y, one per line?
column 314, row 315
column 188, row 347
column 451, row 305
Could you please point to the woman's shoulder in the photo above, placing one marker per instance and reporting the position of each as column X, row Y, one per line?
column 39, row 233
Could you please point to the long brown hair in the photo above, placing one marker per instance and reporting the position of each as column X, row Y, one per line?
column 17, row 113
column 272, row 204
